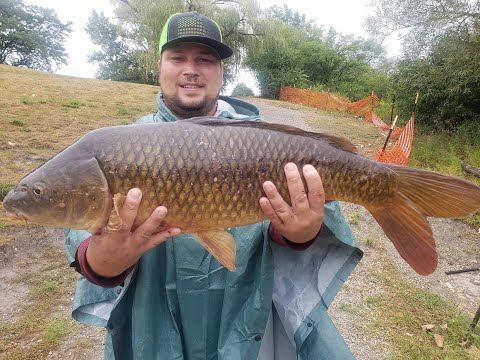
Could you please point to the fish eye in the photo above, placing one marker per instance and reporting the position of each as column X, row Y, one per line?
column 38, row 190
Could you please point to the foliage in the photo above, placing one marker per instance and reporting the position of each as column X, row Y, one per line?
column 295, row 52
column 441, row 60
column 31, row 36
column 448, row 80
column 117, row 59
column 421, row 23
column 241, row 89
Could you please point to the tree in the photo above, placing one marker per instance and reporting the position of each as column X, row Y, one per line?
column 241, row 89
column 421, row 24
column 117, row 59
column 31, row 36
column 448, row 79
column 441, row 58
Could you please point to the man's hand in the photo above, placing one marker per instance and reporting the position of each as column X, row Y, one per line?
column 302, row 221
column 110, row 254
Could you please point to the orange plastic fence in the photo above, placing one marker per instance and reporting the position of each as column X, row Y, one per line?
column 386, row 128
column 319, row 100
column 394, row 154
column 400, row 152
column 364, row 107
column 330, row 101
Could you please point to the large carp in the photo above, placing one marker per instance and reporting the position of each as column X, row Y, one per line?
column 209, row 174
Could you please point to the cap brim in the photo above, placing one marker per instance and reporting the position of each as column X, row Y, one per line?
column 221, row 49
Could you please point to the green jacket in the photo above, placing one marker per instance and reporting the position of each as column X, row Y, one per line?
column 180, row 303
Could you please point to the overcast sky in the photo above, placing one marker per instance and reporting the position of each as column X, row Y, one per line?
column 346, row 16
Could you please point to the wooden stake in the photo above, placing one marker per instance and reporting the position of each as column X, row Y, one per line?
column 389, row 133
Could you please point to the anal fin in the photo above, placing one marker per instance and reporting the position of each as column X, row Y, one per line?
column 221, row 245
column 409, row 230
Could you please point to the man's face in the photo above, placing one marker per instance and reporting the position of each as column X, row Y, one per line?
column 191, row 77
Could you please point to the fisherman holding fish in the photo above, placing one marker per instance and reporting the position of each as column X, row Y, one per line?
column 170, row 299
column 250, row 254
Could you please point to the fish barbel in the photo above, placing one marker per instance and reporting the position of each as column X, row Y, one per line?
column 209, row 173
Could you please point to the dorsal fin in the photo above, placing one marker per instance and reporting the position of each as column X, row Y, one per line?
column 335, row 141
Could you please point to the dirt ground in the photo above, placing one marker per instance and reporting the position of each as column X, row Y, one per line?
column 457, row 246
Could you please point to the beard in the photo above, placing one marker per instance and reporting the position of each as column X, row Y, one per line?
column 185, row 110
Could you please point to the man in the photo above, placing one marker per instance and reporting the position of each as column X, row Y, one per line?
column 170, row 299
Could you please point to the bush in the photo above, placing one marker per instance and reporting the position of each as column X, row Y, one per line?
column 242, row 90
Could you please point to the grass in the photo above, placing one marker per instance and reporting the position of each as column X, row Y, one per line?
column 402, row 309
column 371, row 241
column 125, row 110
column 354, row 219
column 73, row 103
column 4, row 189
column 40, row 328
column 18, row 122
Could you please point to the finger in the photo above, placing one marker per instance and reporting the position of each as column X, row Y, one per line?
column 281, row 208
column 145, row 231
column 160, row 237
column 296, row 189
column 271, row 214
column 129, row 210
column 316, row 193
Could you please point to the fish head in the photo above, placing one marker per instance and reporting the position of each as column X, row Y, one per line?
column 65, row 192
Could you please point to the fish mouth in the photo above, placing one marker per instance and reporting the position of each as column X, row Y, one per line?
column 16, row 214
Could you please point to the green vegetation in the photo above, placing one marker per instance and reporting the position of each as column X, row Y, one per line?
column 354, row 219
column 371, row 241
column 127, row 111
column 4, row 189
column 242, row 89
column 17, row 122
column 27, row 101
column 401, row 311
column 73, row 103
column 31, row 36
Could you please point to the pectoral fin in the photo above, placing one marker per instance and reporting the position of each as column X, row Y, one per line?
column 115, row 221
column 221, row 245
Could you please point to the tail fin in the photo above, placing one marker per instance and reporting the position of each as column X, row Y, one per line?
column 420, row 194
column 438, row 195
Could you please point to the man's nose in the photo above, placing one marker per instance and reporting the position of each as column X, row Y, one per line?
column 190, row 68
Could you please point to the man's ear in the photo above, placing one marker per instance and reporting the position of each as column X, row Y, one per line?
column 223, row 72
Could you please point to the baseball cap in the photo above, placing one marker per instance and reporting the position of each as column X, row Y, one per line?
column 196, row 28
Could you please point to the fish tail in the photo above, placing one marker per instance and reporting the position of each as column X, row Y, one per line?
column 421, row 194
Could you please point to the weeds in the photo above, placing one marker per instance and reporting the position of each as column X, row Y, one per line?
column 354, row 219
column 18, row 122
column 4, row 189
column 73, row 103
column 371, row 241
column 27, row 101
